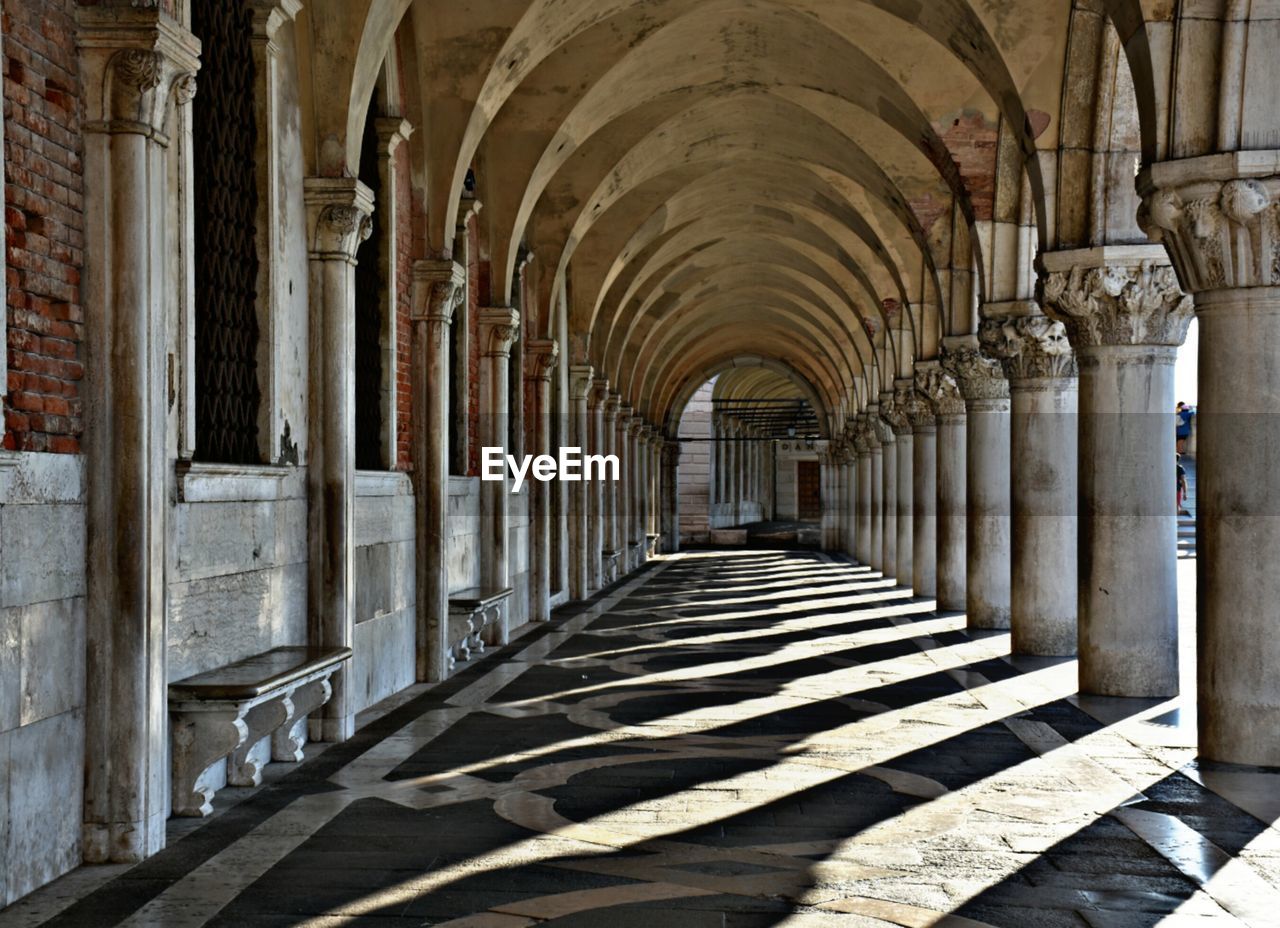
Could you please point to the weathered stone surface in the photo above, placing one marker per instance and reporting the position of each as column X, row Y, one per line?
column 44, row 553
column 53, row 651
column 220, row 620
column 45, row 789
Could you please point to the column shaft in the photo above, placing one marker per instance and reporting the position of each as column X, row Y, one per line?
column 439, row 288
column 952, row 519
column 924, row 501
column 990, row 528
column 542, row 361
column 579, row 517
column 1043, row 455
column 498, row 329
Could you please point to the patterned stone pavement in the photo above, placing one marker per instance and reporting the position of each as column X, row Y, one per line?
column 737, row 740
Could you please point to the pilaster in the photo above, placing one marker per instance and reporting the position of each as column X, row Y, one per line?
column 136, row 65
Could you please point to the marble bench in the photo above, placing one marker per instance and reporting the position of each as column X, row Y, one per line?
column 471, row 611
column 224, row 713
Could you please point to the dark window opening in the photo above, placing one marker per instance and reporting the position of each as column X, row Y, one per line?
column 225, row 198
column 369, row 311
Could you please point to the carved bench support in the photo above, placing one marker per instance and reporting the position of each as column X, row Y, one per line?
column 472, row 614
column 287, row 740
column 226, row 712
column 202, row 735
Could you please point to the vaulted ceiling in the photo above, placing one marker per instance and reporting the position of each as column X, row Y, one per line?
column 812, row 182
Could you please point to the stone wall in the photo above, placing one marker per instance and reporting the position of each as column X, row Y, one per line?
column 385, row 595
column 238, row 572
column 695, row 468
column 462, row 546
column 789, row 455
column 518, row 541
column 42, row 669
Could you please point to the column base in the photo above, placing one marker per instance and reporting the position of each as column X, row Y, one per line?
column 123, row 842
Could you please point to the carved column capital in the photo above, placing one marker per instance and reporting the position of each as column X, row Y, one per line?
column 541, row 357
column 885, row 434
column 580, row 377
column 625, row 412
column 979, row 377
column 862, row 435
column 499, row 327
column 599, row 394
column 133, row 63
column 612, row 404
column 1219, row 217
column 894, row 412
column 340, row 216
column 439, row 287
column 940, row 389
column 918, row 408
column 1116, row 296
column 1029, row 347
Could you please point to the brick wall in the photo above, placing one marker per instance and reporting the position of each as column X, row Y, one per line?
column 44, row 226
column 407, row 221
column 474, row 282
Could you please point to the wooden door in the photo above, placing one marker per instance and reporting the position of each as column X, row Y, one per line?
column 809, row 490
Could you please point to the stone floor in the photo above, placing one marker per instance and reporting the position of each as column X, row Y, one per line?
column 737, row 740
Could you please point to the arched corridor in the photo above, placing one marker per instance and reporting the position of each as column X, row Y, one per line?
column 415, row 411
column 732, row 738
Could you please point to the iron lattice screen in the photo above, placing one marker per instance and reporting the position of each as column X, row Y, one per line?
column 226, row 257
column 369, row 311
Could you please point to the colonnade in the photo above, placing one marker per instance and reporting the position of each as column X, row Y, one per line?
column 1025, row 477
column 742, row 473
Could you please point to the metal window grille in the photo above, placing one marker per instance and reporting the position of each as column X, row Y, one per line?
column 226, row 258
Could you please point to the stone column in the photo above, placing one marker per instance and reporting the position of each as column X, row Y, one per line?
column 829, row 492
column 988, row 540
column 896, row 415
column 862, row 446
column 952, row 523
column 1125, row 316
column 671, row 497
column 924, row 490
column 132, row 77
column 613, row 516
column 622, row 442
column 849, row 470
column 1044, row 460
column 498, row 329
column 876, row 554
column 580, row 377
column 338, row 211
column 542, row 357
column 439, row 287
column 1217, row 216
column 889, row 516
column 596, row 401
column 637, row 492
column 643, row 450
